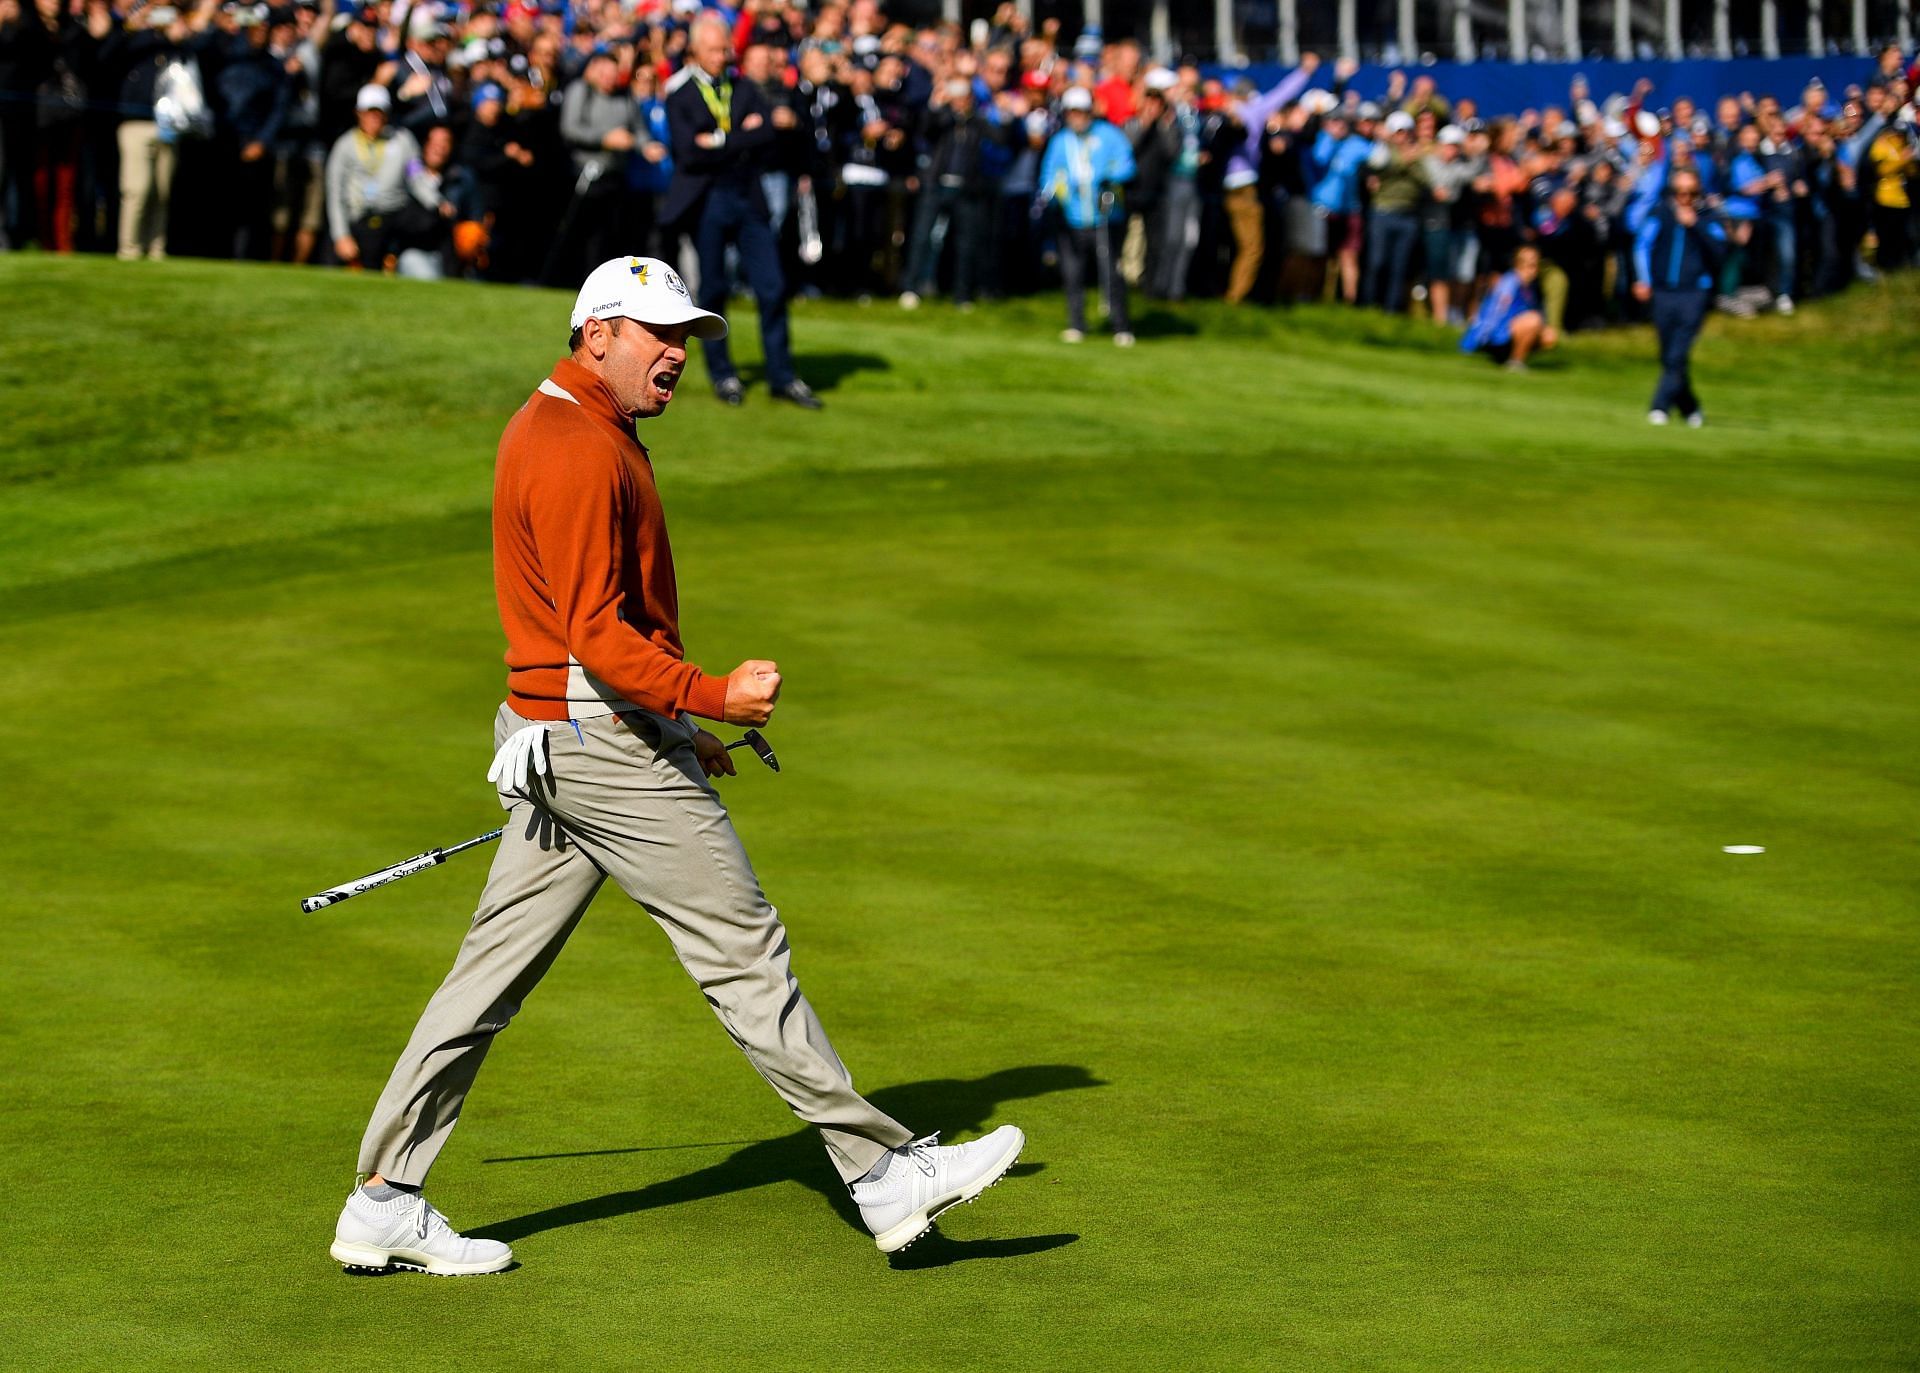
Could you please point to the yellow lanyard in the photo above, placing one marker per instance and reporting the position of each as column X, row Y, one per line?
column 720, row 104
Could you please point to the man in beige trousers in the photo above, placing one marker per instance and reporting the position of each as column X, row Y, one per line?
column 605, row 775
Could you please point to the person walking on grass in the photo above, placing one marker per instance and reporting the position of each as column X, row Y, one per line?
column 1085, row 165
column 604, row 773
column 1677, row 257
column 722, row 129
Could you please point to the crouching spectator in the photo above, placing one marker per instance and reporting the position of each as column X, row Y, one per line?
column 1509, row 326
column 367, row 183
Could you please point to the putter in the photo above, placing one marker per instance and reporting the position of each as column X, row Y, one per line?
column 757, row 741
column 433, row 858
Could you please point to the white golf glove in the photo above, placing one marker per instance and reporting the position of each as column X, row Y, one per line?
column 522, row 757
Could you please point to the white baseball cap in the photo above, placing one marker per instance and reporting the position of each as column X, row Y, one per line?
column 1453, row 134
column 372, row 98
column 646, row 289
column 1399, row 122
column 1077, row 98
column 1161, row 79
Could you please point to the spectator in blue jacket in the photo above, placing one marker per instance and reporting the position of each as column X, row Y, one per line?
column 1509, row 325
column 651, row 173
column 1336, row 163
column 1749, row 183
column 1649, row 183
column 1084, row 166
column 1677, row 256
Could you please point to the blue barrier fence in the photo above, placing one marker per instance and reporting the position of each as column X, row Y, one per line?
column 1509, row 87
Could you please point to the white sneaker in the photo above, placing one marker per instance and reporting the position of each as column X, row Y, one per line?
column 1696, row 420
column 410, row 1232
column 1123, row 339
column 1071, row 336
column 1784, row 304
column 909, row 300
column 923, row 1180
column 1656, row 417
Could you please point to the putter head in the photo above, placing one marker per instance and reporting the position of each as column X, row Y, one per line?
column 757, row 741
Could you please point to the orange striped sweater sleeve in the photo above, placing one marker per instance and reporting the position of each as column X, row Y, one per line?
column 582, row 567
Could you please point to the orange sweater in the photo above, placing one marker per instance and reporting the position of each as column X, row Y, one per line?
column 581, row 564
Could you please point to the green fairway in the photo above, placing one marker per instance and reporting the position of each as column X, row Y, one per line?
column 1284, row 768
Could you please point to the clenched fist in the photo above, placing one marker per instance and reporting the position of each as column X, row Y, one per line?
column 752, row 688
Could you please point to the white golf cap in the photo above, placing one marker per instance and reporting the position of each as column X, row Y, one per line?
column 1452, row 134
column 372, row 98
column 646, row 289
column 1161, row 79
column 1399, row 122
column 1646, row 124
column 1077, row 98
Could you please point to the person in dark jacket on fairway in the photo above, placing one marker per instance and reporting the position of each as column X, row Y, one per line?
column 1677, row 256
column 721, row 129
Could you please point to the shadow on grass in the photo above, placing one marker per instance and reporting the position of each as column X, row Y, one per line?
column 958, row 1106
column 1153, row 323
column 821, row 371
column 937, row 1251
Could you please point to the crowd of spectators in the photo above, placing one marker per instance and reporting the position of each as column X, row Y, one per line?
column 528, row 140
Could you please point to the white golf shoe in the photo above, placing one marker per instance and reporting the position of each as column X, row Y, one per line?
column 410, row 1232
column 923, row 1179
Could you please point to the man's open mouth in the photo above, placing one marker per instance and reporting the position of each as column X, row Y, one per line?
column 664, row 382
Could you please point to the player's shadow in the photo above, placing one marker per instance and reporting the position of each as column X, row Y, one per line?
column 821, row 371
column 959, row 1107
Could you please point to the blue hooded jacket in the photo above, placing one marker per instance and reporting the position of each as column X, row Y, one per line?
column 1075, row 167
column 1493, row 323
column 1337, row 163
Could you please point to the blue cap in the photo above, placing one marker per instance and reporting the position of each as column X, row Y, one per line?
column 491, row 90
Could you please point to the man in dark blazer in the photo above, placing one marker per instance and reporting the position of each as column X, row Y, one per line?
column 722, row 131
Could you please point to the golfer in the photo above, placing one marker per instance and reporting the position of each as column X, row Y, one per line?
column 605, row 774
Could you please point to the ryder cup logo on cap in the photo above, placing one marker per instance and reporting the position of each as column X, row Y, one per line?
column 646, row 289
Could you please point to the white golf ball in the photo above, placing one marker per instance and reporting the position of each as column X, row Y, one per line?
column 1743, row 848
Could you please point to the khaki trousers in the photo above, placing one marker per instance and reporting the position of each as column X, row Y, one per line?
column 1553, row 295
column 146, row 176
column 1249, row 222
column 1133, row 251
column 626, row 800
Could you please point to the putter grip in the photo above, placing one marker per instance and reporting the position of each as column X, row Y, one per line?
column 420, row 862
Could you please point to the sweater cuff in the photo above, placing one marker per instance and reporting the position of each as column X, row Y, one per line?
column 708, row 698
